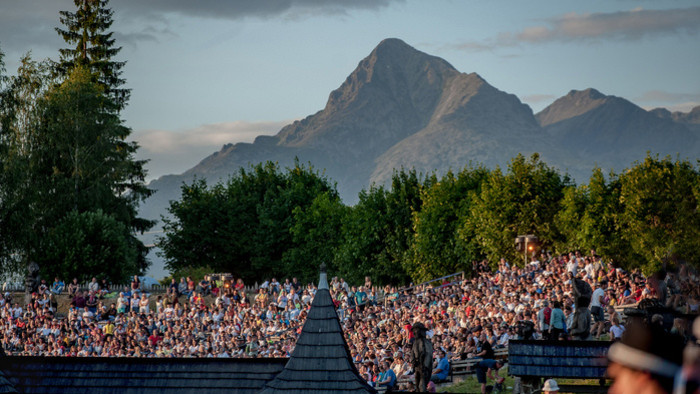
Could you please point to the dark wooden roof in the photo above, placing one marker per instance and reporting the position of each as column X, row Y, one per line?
column 5, row 385
column 321, row 360
column 98, row 375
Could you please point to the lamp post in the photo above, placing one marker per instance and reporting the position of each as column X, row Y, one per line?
column 526, row 244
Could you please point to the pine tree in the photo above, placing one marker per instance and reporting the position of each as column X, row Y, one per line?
column 93, row 47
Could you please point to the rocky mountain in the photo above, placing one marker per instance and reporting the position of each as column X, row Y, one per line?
column 692, row 117
column 613, row 132
column 403, row 108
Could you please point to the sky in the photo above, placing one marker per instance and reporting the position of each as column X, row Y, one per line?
column 209, row 72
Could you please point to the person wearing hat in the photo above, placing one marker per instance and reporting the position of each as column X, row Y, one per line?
column 645, row 361
column 550, row 386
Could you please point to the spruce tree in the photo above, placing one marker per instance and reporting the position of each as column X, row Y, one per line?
column 92, row 46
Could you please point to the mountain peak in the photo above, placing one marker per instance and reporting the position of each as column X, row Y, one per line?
column 393, row 44
column 590, row 94
column 575, row 103
column 394, row 78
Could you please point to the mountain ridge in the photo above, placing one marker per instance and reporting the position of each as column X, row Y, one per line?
column 401, row 107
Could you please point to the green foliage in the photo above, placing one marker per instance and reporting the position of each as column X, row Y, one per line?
column 64, row 149
column 378, row 231
column 92, row 47
column 661, row 217
column 443, row 244
column 245, row 226
column 523, row 201
column 196, row 273
column 82, row 245
column 18, row 143
column 316, row 235
column 589, row 219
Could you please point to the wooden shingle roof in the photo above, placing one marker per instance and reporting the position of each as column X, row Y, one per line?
column 100, row 375
column 321, row 360
column 5, row 385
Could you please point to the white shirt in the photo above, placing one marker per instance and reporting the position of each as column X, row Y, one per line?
column 597, row 295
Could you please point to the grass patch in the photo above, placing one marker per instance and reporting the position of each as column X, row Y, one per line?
column 470, row 385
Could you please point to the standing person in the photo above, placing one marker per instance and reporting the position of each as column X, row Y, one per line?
column 483, row 371
column 544, row 316
column 421, row 356
column 557, row 324
column 597, row 301
column 580, row 328
column 360, row 298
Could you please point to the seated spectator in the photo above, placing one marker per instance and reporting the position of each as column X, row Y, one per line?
column 93, row 286
column 43, row 287
column 91, row 302
column 73, row 287
column 240, row 286
column 616, row 330
column 135, row 285
column 104, row 288
column 204, row 286
column 57, row 287
column 78, row 300
column 387, row 378
column 442, row 370
column 173, row 288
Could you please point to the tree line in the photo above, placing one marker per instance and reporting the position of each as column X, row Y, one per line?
column 267, row 221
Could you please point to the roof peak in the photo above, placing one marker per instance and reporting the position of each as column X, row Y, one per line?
column 323, row 279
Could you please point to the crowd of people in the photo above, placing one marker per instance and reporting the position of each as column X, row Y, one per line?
column 463, row 317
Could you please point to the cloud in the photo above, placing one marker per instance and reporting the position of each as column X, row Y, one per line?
column 668, row 97
column 622, row 25
column 29, row 24
column 683, row 107
column 173, row 152
column 239, row 9
column 672, row 101
column 538, row 98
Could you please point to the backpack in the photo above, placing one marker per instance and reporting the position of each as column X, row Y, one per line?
column 547, row 315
